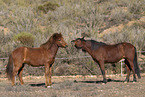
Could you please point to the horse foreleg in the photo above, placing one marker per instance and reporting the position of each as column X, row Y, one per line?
column 46, row 74
column 50, row 83
column 20, row 75
column 101, row 64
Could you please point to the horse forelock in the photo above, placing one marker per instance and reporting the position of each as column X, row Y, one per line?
column 56, row 36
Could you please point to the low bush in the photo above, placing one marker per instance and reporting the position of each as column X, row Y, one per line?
column 136, row 6
column 131, row 34
column 48, row 6
column 120, row 15
column 26, row 39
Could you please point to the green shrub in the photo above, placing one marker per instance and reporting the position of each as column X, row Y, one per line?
column 132, row 34
column 120, row 15
column 139, row 25
column 48, row 6
column 24, row 38
column 136, row 6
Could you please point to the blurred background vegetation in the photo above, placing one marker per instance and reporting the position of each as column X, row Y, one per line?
column 31, row 22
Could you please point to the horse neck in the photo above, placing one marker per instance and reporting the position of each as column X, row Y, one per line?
column 87, row 47
column 54, row 49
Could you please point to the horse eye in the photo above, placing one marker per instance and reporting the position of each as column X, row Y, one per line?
column 59, row 40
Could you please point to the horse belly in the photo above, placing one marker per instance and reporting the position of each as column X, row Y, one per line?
column 113, row 57
column 112, row 60
column 35, row 62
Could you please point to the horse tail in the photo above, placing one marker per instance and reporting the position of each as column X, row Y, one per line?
column 136, row 67
column 9, row 68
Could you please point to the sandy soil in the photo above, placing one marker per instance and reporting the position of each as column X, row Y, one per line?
column 74, row 86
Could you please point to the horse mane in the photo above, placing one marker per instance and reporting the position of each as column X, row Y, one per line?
column 96, row 44
column 51, row 40
column 93, row 42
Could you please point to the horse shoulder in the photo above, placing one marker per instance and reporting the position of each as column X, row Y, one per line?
column 48, row 56
column 99, row 53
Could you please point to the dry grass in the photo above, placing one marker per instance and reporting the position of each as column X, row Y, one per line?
column 73, row 18
column 73, row 87
column 121, row 26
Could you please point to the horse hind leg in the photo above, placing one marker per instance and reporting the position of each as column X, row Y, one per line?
column 114, row 68
column 14, row 75
column 128, row 71
column 16, row 68
column 133, row 70
column 20, row 74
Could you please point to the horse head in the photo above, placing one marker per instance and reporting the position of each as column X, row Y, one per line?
column 59, row 40
column 78, row 42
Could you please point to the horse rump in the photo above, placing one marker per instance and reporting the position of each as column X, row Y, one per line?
column 9, row 68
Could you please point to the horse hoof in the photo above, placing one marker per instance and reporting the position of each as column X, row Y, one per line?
column 22, row 84
column 49, row 86
column 13, row 85
column 125, row 82
column 103, row 83
column 134, row 82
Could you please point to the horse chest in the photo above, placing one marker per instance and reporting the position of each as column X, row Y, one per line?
column 50, row 60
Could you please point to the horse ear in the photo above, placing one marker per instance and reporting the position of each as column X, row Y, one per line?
column 55, row 35
column 60, row 33
column 83, row 37
column 73, row 41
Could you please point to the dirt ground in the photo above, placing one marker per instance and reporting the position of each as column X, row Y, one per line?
column 74, row 86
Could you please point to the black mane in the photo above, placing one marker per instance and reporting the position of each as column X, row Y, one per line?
column 96, row 44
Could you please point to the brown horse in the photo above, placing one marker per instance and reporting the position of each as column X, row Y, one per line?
column 41, row 56
column 103, row 53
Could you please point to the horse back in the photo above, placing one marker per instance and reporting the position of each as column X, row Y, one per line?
column 32, row 56
column 122, row 50
column 113, row 53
